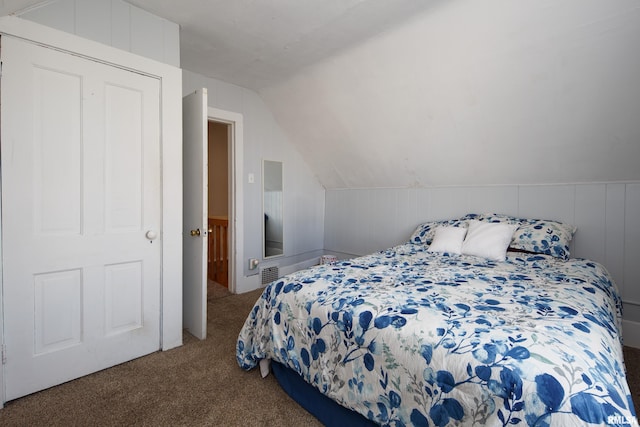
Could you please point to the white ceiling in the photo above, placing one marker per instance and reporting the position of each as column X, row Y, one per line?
column 257, row 43
column 383, row 93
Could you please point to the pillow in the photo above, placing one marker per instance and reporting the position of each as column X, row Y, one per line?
column 424, row 232
column 448, row 239
column 538, row 236
column 488, row 240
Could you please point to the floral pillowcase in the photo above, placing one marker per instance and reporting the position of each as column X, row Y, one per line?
column 423, row 234
column 532, row 235
column 535, row 235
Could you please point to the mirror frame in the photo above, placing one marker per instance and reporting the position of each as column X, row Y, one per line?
column 265, row 255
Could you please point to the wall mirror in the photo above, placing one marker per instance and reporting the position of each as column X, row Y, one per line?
column 273, row 236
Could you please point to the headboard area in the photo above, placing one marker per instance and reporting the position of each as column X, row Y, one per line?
column 606, row 215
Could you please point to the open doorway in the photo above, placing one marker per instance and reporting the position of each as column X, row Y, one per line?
column 233, row 123
column 196, row 116
column 219, row 143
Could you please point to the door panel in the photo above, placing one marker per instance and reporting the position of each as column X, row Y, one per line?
column 58, row 310
column 123, row 297
column 80, row 189
column 195, row 189
column 123, row 159
column 57, row 135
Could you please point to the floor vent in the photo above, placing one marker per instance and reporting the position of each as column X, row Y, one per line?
column 269, row 274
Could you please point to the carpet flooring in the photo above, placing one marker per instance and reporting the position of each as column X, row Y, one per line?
column 215, row 290
column 197, row 384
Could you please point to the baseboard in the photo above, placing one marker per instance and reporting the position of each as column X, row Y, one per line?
column 341, row 255
column 631, row 333
column 288, row 269
column 247, row 283
column 250, row 283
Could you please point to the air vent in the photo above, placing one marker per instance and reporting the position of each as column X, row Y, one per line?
column 269, row 274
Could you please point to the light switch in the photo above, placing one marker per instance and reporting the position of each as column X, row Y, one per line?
column 252, row 178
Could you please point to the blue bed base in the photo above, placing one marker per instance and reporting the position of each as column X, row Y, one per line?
column 324, row 409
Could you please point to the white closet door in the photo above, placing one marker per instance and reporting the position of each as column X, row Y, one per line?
column 80, row 216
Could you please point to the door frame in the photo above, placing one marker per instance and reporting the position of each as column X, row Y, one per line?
column 236, row 212
column 171, row 162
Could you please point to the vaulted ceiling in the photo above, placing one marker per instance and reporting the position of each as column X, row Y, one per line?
column 257, row 43
column 380, row 93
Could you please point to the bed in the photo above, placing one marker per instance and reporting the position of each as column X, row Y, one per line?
column 455, row 327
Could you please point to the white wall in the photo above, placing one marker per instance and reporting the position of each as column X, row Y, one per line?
column 303, row 194
column 361, row 221
column 114, row 23
column 475, row 93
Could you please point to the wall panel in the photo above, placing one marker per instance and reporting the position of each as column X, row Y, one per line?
column 547, row 201
column 406, row 215
column 493, row 199
column 147, row 36
column 120, row 25
column 614, row 233
column 631, row 283
column 423, row 203
column 90, row 21
column 360, row 221
column 448, row 201
column 590, row 218
column 114, row 23
column 59, row 15
column 171, row 39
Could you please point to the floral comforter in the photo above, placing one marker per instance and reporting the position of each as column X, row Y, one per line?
column 409, row 337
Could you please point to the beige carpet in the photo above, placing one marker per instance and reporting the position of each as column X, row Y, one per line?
column 198, row 384
column 215, row 290
column 632, row 362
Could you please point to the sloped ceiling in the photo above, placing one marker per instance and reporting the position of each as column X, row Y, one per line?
column 378, row 93
column 491, row 92
column 407, row 93
column 258, row 43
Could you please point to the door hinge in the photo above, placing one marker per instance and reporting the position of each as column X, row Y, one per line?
column 4, row 354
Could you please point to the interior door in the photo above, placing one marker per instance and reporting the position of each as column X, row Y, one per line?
column 81, row 215
column 195, row 193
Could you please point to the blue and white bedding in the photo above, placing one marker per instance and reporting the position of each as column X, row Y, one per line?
column 410, row 337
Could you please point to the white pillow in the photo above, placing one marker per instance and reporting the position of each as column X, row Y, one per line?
column 488, row 240
column 448, row 239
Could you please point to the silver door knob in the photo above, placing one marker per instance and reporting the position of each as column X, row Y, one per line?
column 151, row 235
